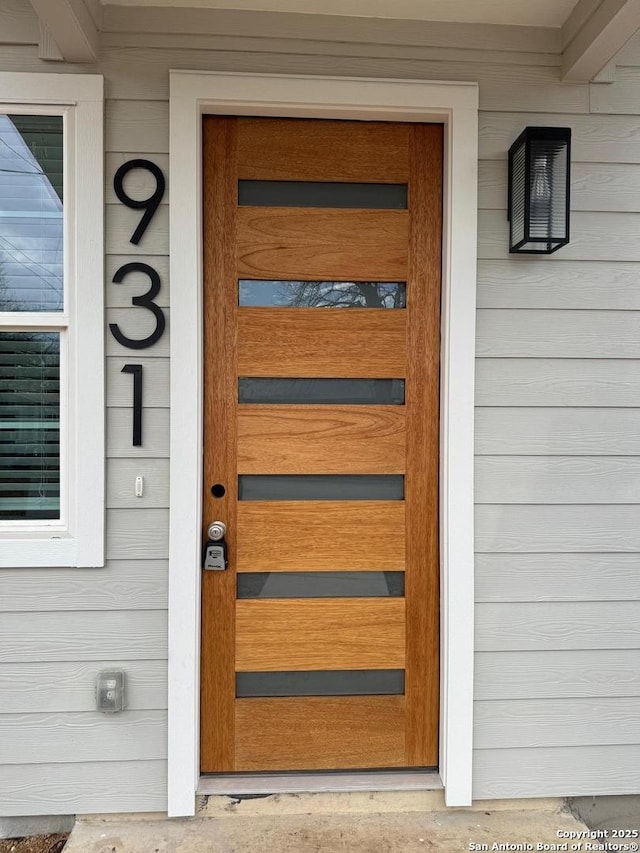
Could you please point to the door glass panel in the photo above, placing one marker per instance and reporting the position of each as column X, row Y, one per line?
column 29, row 425
column 321, row 487
column 356, row 682
column 324, row 391
column 320, row 584
column 321, row 294
column 322, row 194
column 31, row 213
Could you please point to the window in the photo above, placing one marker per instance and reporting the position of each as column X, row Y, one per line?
column 51, row 321
column 31, row 280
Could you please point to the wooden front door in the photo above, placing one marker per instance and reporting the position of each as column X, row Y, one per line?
column 322, row 256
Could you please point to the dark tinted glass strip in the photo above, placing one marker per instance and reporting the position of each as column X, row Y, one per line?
column 321, row 294
column 322, row 391
column 320, row 584
column 321, row 487
column 357, row 682
column 322, row 194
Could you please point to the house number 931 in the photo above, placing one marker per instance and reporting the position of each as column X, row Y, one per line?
column 145, row 300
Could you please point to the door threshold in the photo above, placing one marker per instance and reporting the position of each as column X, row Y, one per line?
column 332, row 782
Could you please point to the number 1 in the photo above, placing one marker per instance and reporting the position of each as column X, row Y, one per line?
column 136, row 371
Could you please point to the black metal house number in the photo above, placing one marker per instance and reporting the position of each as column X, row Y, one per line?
column 149, row 205
column 136, row 371
column 145, row 300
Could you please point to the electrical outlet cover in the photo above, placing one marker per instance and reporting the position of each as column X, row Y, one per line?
column 110, row 691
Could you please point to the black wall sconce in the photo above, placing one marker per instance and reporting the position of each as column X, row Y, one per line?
column 538, row 203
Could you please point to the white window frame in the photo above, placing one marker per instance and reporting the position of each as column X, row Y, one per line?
column 193, row 94
column 77, row 538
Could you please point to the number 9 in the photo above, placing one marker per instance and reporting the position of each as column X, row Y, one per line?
column 149, row 205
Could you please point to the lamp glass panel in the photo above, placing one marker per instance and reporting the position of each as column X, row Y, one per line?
column 548, row 193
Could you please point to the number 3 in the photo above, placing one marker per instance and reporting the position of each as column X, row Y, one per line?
column 144, row 301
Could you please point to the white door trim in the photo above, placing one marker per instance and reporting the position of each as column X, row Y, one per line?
column 193, row 94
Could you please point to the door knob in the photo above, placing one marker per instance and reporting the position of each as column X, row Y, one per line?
column 216, row 530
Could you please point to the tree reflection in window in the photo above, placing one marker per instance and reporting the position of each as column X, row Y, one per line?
column 31, row 213
column 322, row 294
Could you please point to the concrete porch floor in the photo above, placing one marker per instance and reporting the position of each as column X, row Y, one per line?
column 411, row 822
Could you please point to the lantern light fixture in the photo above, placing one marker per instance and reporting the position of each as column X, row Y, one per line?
column 538, row 192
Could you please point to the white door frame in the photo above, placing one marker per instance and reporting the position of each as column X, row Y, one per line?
column 193, row 94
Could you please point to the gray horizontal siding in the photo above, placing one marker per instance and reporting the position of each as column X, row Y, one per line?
column 24, row 57
column 560, row 528
column 134, row 126
column 121, row 585
column 547, row 431
column 595, row 138
column 155, row 433
column 621, row 97
column 556, row 771
column 553, row 382
column 555, row 625
column 557, row 429
column 572, row 285
column 533, row 333
column 556, row 722
column 557, row 480
column 83, row 636
column 557, row 674
column 83, row 787
column 69, row 686
column 557, row 577
column 18, row 23
column 137, row 534
column 74, row 737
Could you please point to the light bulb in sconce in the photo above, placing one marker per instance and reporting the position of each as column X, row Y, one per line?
column 541, row 182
